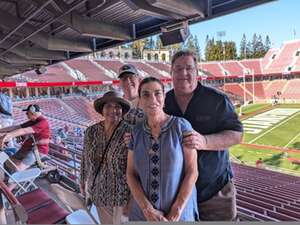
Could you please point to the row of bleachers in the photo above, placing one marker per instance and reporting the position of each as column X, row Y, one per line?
column 253, row 65
column 54, row 73
column 236, row 89
column 212, row 69
column 146, row 69
column 292, row 90
column 274, row 87
column 87, row 67
column 82, row 106
column 267, row 195
column 161, row 66
column 57, row 109
column 233, row 68
column 110, row 65
column 259, row 91
column 284, row 57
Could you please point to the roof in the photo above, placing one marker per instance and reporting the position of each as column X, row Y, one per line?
column 36, row 33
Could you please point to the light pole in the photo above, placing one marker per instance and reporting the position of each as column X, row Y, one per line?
column 253, row 89
column 221, row 34
column 244, row 103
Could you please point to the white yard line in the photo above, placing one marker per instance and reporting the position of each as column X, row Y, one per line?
column 284, row 121
column 292, row 140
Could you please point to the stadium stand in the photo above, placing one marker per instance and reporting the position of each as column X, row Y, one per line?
column 284, row 59
column 237, row 89
column 57, row 109
column 146, row 70
column 267, row 195
column 252, row 65
column 274, row 87
column 161, row 66
column 212, row 69
column 89, row 69
column 82, row 106
column 232, row 68
column 53, row 73
column 259, row 91
column 110, row 65
column 292, row 90
column 268, row 58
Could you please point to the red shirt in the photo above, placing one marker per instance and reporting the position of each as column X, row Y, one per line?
column 42, row 131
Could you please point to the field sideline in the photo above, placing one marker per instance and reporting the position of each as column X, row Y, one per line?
column 270, row 133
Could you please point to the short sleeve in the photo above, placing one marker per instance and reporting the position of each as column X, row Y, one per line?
column 227, row 117
column 131, row 142
column 38, row 127
column 184, row 126
column 27, row 124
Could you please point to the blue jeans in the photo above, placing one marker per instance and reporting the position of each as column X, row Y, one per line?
column 10, row 151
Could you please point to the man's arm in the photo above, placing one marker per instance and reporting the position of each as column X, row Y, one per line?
column 9, row 129
column 213, row 142
column 15, row 133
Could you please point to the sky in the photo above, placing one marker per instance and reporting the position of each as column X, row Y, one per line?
column 279, row 19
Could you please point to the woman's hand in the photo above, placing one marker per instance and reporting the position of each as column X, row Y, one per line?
column 174, row 214
column 152, row 214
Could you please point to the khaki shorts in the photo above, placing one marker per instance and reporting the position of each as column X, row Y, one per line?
column 221, row 207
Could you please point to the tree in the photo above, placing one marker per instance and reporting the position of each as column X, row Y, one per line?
column 208, row 45
column 260, row 51
column 230, row 50
column 249, row 51
column 267, row 44
column 218, row 51
column 197, row 49
column 254, row 46
column 243, row 47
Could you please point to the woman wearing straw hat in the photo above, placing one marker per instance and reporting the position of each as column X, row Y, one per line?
column 104, row 159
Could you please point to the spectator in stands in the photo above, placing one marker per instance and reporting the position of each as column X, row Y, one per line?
column 129, row 80
column 61, row 133
column 104, row 158
column 6, row 120
column 216, row 128
column 161, row 173
column 259, row 163
column 37, row 129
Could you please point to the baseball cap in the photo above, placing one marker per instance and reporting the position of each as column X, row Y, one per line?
column 127, row 68
column 33, row 108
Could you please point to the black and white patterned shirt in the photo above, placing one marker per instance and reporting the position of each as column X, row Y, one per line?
column 110, row 188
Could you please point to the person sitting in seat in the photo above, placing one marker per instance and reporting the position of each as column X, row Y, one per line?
column 259, row 163
column 38, row 132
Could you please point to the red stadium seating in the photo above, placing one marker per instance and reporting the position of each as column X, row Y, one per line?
column 267, row 195
column 253, row 65
column 89, row 69
column 233, row 68
column 212, row 69
column 285, row 58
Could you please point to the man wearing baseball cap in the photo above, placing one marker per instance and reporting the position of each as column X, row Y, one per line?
column 38, row 132
column 129, row 82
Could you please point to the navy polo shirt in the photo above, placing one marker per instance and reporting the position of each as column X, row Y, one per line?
column 209, row 111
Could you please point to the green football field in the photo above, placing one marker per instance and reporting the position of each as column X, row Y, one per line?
column 271, row 133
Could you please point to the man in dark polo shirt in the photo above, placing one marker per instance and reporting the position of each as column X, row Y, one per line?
column 37, row 131
column 216, row 128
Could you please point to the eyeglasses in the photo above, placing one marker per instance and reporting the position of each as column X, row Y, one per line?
column 179, row 69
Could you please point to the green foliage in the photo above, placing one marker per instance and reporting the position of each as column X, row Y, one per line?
column 218, row 50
